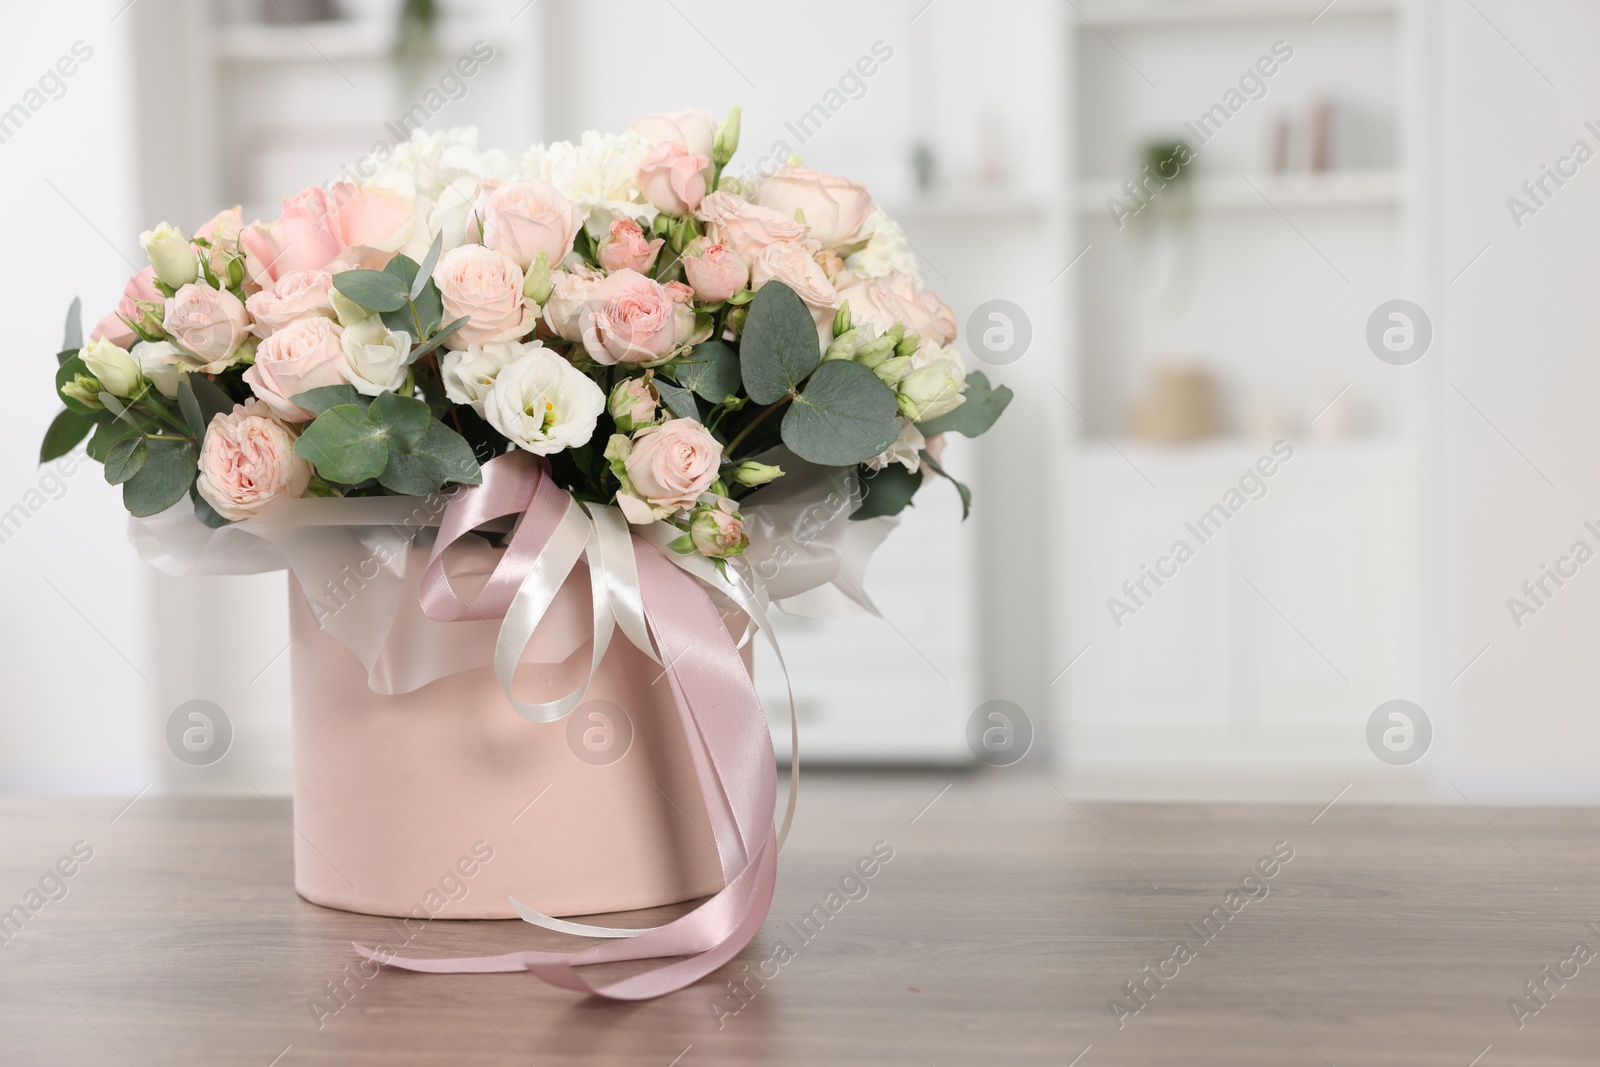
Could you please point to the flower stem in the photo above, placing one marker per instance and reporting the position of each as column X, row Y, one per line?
column 733, row 444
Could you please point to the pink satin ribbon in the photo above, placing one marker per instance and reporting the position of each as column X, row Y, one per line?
column 722, row 718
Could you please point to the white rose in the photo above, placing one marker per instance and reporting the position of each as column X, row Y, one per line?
column 171, row 255
column 544, row 404
column 162, row 363
column 903, row 451
column 468, row 373
column 118, row 373
column 375, row 356
column 931, row 391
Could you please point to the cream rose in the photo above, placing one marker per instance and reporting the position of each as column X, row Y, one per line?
column 522, row 218
column 673, row 178
column 116, row 370
column 630, row 319
column 744, row 227
column 543, row 404
column 486, row 286
column 375, row 356
column 207, row 324
column 248, row 461
column 171, row 255
column 694, row 128
column 295, row 295
column 930, row 391
column 469, row 373
column 668, row 467
column 834, row 209
column 304, row 355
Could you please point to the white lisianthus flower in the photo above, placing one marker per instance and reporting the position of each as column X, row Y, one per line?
column 886, row 252
column 903, row 451
column 470, row 372
column 171, row 255
column 600, row 174
column 930, row 350
column 931, row 391
column 544, row 404
column 375, row 356
column 113, row 366
column 162, row 363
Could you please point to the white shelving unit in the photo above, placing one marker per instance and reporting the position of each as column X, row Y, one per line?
column 1252, row 671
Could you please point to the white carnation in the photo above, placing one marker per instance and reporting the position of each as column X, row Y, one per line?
column 544, row 404
column 886, row 252
column 600, row 174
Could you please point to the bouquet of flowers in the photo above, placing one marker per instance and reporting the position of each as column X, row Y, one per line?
column 652, row 325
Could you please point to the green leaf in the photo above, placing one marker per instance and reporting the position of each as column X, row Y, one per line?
column 204, row 511
column 404, row 420
column 846, row 416
column 889, row 491
column 66, row 430
column 213, row 401
column 344, row 445
column 425, row 271
column 106, row 435
column 979, row 412
column 164, row 478
column 324, row 397
column 189, row 406
column 418, row 351
column 711, row 370
column 72, row 335
column 779, row 345
column 961, row 488
column 679, row 401
column 440, row 458
column 375, row 290
column 422, row 309
column 125, row 459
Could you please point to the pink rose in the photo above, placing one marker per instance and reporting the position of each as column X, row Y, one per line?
column 793, row 264
column 319, row 225
column 715, row 273
column 206, row 324
column 695, row 129
column 879, row 303
column 486, row 286
column 140, row 287
column 624, row 247
column 834, row 208
column 293, row 296
column 744, row 227
column 670, row 465
column 717, row 530
column 248, row 461
column 570, row 293
column 629, row 319
column 306, row 354
column 673, row 179
column 522, row 218
column 222, row 231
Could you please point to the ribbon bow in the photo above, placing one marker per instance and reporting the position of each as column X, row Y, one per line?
column 659, row 600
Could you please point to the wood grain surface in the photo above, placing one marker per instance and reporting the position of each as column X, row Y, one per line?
column 1006, row 923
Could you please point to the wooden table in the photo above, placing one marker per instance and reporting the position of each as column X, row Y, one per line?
column 1007, row 921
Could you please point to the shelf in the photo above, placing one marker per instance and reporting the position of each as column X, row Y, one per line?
column 1238, row 192
column 1109, row 15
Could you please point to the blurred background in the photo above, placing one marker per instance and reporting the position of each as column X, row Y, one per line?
column 1178, row 229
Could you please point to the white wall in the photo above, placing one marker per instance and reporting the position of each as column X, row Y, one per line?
column 76, row 658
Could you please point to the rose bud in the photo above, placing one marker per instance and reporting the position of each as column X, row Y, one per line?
column 624, row 248
column 715, row 273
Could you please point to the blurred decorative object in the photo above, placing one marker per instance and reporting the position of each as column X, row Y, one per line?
column 1179, row 408
column 595, row 355
column 924, row 166
column 416, row 40
column 296, row 11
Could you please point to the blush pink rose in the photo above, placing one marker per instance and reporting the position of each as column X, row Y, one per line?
column 670, row 465
column 881, row 302
column 743, row 227
column 485, row 286
column 673, row 179
column 222, row 231
column 629, row 319
column 625, row 248
column 293, row 296
column 248, row 461
column 715, row 273
column 570, row 293
column 794, row 264
column 306, row 354
column 207, row 325
column 694, row 128
column 320, row 225
column 834, row 208
column 141, row 286
column 522, row 218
